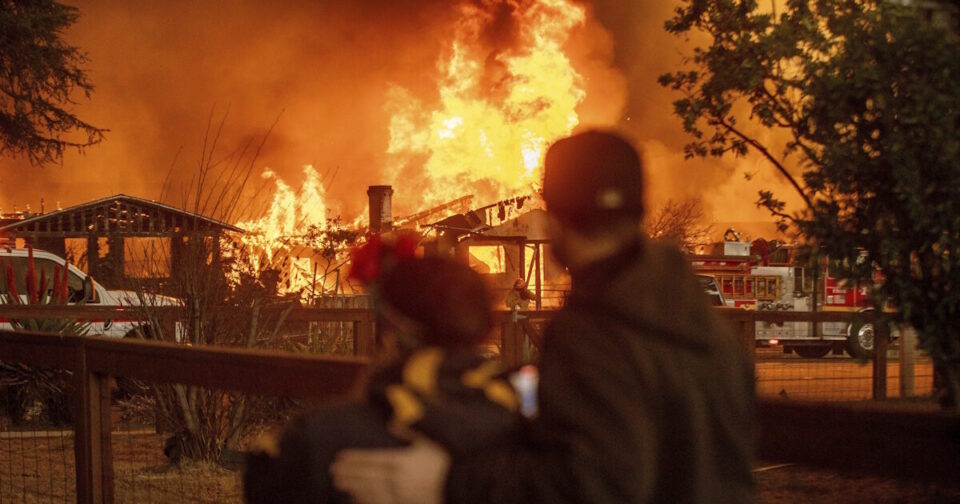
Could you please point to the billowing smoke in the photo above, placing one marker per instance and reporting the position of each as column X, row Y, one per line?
column 326, row 70
column 643, row 51
column 160, row 68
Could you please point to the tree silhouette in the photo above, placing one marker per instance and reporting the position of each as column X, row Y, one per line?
column 866, row 94
column 40, row 76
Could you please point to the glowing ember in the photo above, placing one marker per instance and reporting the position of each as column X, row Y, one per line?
column 488, row 133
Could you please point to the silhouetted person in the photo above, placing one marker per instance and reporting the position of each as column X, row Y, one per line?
column 433, row 312
column 644, row 394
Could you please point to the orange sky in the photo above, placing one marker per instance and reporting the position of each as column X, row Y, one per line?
column 324, row 68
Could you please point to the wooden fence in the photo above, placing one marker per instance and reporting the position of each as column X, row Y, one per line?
column 903, row 444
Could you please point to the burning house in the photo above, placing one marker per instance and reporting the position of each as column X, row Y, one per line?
column 119, row 239
column 505, row 242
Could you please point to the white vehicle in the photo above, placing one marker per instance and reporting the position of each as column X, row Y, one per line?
column 80, row 287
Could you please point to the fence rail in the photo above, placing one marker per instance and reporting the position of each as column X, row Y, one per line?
column 903, row 444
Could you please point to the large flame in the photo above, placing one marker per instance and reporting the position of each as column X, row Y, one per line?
column 497, row 110
column 287, row 215
column 280, row 238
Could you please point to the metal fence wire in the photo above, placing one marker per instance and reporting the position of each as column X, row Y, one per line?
column 160, row 454
column 92, row 419
column 148, row 459
column 835, row 377
column 37, row 461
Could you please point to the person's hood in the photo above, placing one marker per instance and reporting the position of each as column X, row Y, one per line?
column 655, row 289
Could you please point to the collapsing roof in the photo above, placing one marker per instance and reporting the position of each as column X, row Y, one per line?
column 504, row 220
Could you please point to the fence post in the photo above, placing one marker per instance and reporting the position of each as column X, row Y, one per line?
column 511, row 353
column 748, row 334
column 362, row 337
column 91, row 438
column 908, row 352
column 881, row 335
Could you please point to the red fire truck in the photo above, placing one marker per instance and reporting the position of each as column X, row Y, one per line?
column 765, row 276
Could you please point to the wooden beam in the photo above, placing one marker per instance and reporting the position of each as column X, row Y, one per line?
column 100, row 312
column 91, row 391
column 43, row 351
column 244, row 370
column 908, row 352
column 881, row 336
column 747, row 332
column 93, row 255
column 537, row 284
column 511, row 344
column 735, row 316
column 522, row 261
column 139, row 221
column 129, row 234
column 363, row 339
column 217, row 367
column 100, row 396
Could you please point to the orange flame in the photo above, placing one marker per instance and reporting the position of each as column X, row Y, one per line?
column 288, row 214
column 488, row 137
column 278, row 238
column 498, row 110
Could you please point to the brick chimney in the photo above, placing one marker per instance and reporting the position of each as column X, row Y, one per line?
column 381, row 212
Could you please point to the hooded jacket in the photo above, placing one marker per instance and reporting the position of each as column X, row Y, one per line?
column 645, row 396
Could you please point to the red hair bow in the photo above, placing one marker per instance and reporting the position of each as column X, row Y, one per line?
column 369, row 261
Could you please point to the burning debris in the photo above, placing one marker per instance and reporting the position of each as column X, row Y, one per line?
column 296, row 238
column 501, row 102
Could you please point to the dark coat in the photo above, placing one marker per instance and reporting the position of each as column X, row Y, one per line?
column 645, row 396
column 459, row 400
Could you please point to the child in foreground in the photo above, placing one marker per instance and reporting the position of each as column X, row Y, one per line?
column 430, row 381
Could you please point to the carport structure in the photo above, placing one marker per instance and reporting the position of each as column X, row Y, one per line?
column 112, row 228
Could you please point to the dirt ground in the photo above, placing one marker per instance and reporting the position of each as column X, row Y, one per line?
column 792, row 484
column 39, row 467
